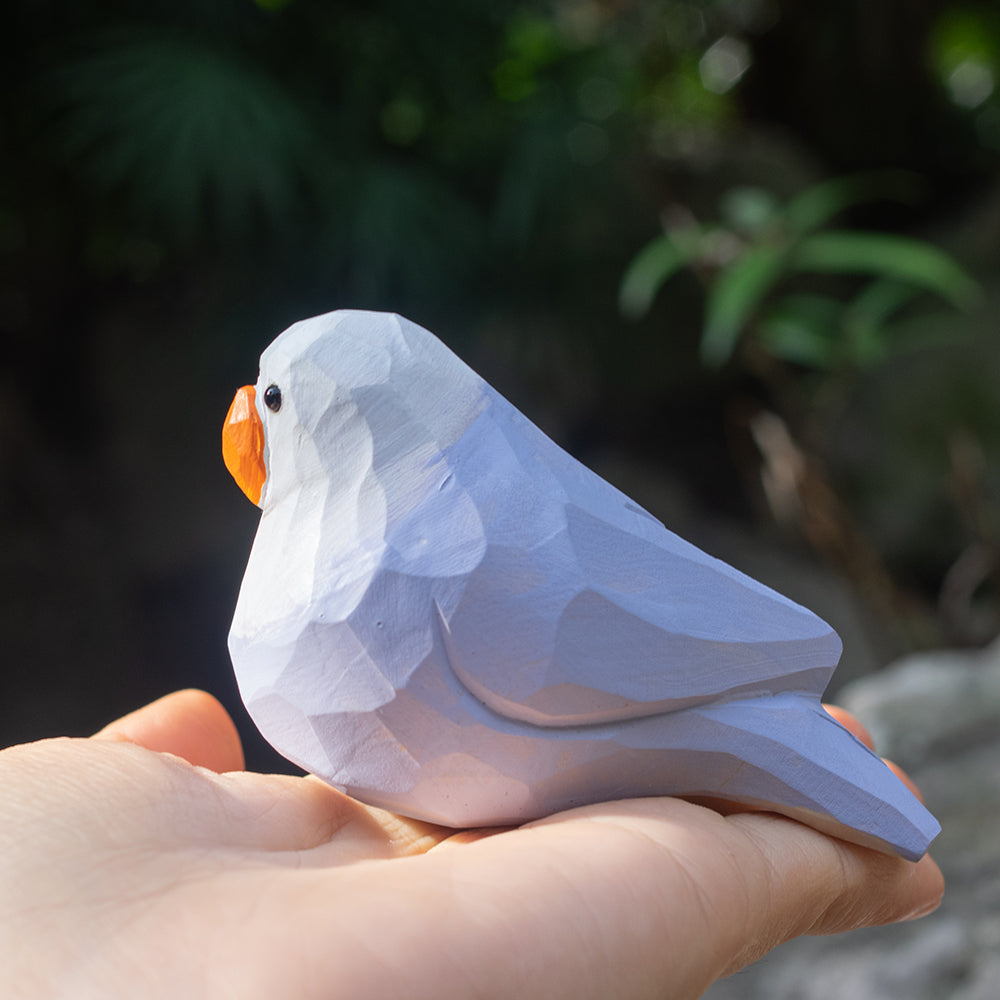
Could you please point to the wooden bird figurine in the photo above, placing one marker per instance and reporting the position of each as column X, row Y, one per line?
column 446, row 615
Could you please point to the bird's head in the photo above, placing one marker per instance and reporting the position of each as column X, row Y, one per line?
column 353, row 413
column 302, row 421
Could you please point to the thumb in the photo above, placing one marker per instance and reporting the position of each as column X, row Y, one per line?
column 189, row 724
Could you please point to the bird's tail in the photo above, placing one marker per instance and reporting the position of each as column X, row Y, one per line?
column 787, row 755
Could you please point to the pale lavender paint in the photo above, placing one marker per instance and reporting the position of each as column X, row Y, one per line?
column 446, row 615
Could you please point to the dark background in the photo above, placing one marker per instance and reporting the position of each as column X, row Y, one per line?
column 181, row 180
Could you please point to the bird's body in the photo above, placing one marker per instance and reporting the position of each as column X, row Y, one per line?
column 446, row 615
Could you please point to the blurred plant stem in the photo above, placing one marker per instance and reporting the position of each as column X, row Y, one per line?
column 976, row 570
column 803, row 501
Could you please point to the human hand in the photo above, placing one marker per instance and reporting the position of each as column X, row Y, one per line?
column 145, row 862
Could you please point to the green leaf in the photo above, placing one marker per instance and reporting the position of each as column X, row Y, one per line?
column 193, row 133
column 734, row 298
column 866, row 318
column 791, row 339
column 803, row 329
column 749, row 209
column 884, row 255
column 818, row 204
column 650, row 268
column 879, row 299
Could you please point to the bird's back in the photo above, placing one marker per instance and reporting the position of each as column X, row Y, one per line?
column 615, row 615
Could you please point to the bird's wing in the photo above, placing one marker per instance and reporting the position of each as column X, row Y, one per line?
column 584, row 609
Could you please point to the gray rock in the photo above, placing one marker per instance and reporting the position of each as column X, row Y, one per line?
column 929, row 703
column 939, row 714
column 923, row 961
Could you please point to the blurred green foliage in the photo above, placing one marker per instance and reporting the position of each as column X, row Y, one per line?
column 180, row 179
column 750, row 259
column 403, row 145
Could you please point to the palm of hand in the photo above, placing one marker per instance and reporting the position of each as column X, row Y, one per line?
column 127, row 871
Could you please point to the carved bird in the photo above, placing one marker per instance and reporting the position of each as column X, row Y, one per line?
column 446, row 615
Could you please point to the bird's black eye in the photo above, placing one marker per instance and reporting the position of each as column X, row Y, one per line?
column 272, row 398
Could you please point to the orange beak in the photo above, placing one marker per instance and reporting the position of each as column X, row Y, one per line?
column 243, row 443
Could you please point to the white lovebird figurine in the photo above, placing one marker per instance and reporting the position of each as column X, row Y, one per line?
column 446, row 615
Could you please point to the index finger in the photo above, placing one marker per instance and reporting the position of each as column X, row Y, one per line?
column 850, row 723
